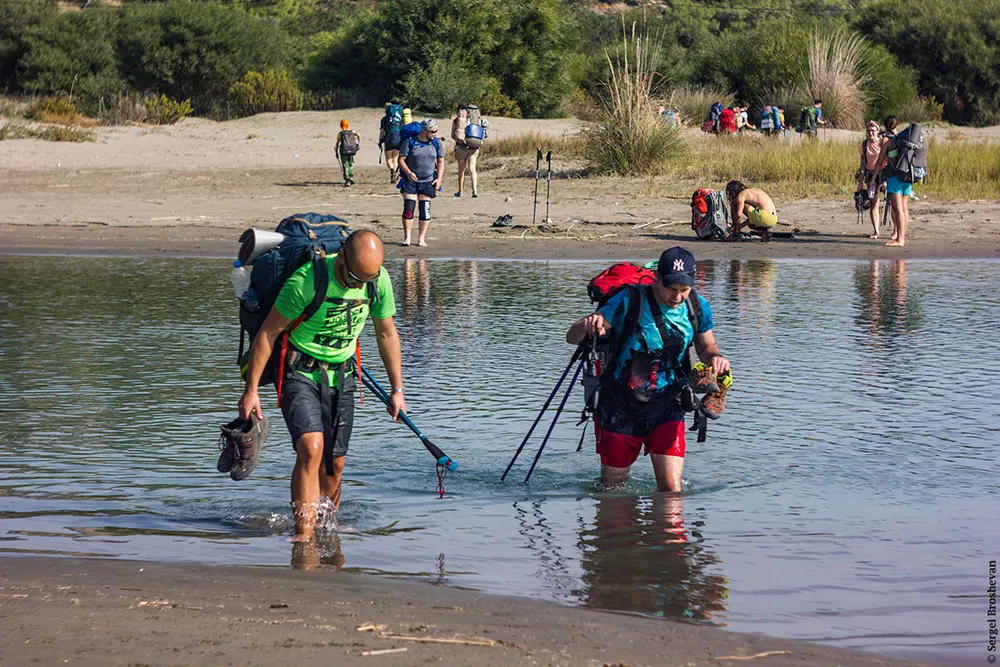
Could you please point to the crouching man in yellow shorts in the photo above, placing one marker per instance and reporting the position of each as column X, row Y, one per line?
column 756, row 205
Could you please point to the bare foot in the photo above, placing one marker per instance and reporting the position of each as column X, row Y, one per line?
column 301, row 537
column 873, row 236
column 405, row 243
column 895, row 244
column 422, row 244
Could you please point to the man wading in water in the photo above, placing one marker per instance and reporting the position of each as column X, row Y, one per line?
column 641, row 385
column 318, row 375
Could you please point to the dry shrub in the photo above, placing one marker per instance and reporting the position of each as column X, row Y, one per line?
column 59, row 111
column 48, row 133
column 164, row 111
column 122, row 109
column 631, row 139
column 261, row 92
column 920, row 110
column 694, row 103
column 954, row 134
column 837, row 76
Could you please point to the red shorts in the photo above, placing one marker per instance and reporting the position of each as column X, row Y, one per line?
column 621, row 451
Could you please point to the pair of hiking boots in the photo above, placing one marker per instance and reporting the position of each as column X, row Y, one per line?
column 240, row 442
column 703, row 380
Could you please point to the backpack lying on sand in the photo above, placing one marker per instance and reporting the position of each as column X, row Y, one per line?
column 708, row 214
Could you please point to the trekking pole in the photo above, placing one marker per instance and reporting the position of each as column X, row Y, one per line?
column 562, row 405
column 548, row 186
column 375, row 388
column 380, row 153
column 548, row 401
column 538, row 163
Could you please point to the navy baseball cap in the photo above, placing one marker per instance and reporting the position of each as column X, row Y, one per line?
column 676, row 266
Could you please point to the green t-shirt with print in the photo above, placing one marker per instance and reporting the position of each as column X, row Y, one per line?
column 331, row 334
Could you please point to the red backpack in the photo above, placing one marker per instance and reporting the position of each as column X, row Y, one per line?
column 613, row 279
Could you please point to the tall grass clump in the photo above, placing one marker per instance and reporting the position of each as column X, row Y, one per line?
column 694, row 103
column 630, row 138
column 122, row 109
column 962, row 171
column 574, row 145
column 920, row 110
column 837, row 75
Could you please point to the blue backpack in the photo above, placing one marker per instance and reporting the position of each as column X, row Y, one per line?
column 409, row 131
column 308, row 237
column 393, row 125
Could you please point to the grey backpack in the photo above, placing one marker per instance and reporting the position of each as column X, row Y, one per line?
column 908, row 158
column 475, row 127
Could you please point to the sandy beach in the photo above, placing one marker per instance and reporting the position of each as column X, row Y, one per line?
column 190, row 189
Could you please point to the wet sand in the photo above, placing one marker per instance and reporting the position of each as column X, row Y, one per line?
column 101, row 612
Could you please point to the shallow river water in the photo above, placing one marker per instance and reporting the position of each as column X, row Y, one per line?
column 849, row 495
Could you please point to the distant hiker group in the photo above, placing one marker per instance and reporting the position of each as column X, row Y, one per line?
column 736, row 119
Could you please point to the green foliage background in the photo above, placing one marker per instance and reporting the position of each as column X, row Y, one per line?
column 532, row 57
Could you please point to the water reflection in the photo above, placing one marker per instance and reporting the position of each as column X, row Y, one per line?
column 639, row 556
column 323, row 552
column 887, row 308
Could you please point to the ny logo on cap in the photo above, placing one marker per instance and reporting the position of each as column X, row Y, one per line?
column 678, row 265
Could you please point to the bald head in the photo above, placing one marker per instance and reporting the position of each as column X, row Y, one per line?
column 364, row 253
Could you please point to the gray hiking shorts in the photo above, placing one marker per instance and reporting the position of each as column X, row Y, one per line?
column 300, row 405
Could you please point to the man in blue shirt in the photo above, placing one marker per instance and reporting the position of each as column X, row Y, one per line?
column 640, row 397
column 421, row 161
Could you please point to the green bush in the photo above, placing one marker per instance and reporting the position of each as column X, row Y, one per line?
column 261, row 92
column 952, row 44
column 50, row 106
column 195, row 51
column 164, row 111
column 493, row 102
column 442, row 86
column 919, row 110
column 72, row 54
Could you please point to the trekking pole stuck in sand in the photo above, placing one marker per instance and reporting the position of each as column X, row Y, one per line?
column 444, row 463
column 538, row 164
column 545, row 406
column 548, row 186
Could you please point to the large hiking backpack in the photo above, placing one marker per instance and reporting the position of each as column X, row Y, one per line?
column 708, row 214
column 393, row 125
column 807, row 120
column 714, row 114
column 766, row 120
column 409, row 131
column 308, row 237
column 348, row 143
column 909, row 164
column 475, row 127
column 603, row 286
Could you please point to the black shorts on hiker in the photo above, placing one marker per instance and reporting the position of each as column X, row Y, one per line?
column 392, row 146
column 300, row 405
column 417, row 188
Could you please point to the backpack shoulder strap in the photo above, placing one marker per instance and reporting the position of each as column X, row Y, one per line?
column 321, row 281
column 694, row 311
column 633, row 308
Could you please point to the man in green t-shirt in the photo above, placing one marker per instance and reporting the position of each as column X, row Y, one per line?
column 317, row 398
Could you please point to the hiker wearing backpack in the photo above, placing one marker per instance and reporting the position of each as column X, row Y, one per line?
column 903, row 161
column 390, row 137
column 756, row 205
column 640, row 397
column 318, row 381
column 467, row 129
column 348, row 144
column 421, row 160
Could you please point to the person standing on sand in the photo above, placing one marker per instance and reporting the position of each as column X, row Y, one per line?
column 868, row 175
column 421, row 161
column 640, row 395
column 464, row 154
column 319, row 379
column 897, row 191
column 756, row 205
column 348, row 144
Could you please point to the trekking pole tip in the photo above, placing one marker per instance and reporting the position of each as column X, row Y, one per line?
column 446, row 462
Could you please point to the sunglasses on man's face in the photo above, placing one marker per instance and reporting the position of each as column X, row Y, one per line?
column 353, row 278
